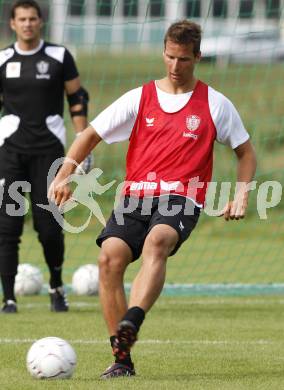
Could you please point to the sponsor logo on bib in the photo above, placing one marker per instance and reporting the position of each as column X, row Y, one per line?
column 13, row 70
column 150, row 122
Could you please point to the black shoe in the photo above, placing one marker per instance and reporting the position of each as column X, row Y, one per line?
column 125, row 338
column 117, row 370
column 9, row 307
column 58, row 299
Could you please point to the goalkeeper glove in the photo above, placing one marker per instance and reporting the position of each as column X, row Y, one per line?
column 86, row 165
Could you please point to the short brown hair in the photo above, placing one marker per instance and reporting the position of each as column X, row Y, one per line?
column 184, row 32
column 25, row 4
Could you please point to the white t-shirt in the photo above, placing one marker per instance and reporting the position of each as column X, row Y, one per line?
column 116, row 122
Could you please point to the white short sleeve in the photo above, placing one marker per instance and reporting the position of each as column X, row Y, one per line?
column 115, row 123
column 229, row 126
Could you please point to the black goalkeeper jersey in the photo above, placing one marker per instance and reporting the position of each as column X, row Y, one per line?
column 32, row 89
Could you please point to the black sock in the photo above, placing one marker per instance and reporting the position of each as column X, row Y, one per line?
column 136, row 315
column 53, row 249
column 8, row 283
column 127, row 360
column 111, row 339
column 55, row 277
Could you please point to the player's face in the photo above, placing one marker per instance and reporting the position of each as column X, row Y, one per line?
column 180, row 62
column 26, row 24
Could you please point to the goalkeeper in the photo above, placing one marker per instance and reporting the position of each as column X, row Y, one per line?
column 34, row 75
column 172, row 124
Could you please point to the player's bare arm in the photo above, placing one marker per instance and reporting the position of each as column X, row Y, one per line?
column 59, row 190
column 236, row 209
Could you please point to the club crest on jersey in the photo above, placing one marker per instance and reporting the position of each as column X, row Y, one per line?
column 192, row 122
column 42, row 68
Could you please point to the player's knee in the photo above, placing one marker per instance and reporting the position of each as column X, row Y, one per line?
column 161, row 244
column 157, row 240
column 110, row 264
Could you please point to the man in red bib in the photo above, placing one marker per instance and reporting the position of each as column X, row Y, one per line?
column 172, row 125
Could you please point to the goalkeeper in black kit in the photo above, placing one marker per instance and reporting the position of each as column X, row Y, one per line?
column 34, row 75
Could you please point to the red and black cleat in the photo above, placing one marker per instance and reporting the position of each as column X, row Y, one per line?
column 118, row 370
column 126, row 337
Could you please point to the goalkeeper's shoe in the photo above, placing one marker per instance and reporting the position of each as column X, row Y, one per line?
column 125, row 338
column 58, row 300
column 118, row 370
column 9, row 307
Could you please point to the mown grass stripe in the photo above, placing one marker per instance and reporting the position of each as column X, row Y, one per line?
column 153, row 342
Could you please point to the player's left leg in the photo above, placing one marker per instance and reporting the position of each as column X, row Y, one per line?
column 49, row 231
column 150, row 279
column 114, row 257
column 165, row 235
column 147, row 285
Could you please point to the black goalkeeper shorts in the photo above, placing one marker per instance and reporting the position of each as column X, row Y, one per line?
column 133, row 226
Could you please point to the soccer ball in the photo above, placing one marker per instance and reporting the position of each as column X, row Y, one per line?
column 85, row 280
column 51, row 358
column 29, row 280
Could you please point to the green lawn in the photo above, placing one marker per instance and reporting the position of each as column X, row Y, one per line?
column 185, row 343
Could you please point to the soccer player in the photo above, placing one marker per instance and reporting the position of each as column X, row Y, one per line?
column 34, row 75
column 172, row 125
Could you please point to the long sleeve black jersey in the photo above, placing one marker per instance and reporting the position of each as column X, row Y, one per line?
column 32, row 89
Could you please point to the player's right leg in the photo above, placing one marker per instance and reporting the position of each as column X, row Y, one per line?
column 146, row 286
column 114, row 257
column 11, row 223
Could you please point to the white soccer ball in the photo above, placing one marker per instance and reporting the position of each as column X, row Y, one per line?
column 29, row 280
column 85, row 280
column 51, row 358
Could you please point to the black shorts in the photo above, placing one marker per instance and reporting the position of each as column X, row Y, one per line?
column 133, row 225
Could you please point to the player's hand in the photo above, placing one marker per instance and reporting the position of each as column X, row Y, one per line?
column 235, row 209
column 59, row 192
column 85, row 166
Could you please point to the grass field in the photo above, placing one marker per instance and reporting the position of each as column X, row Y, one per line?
column 185, row 343
column 205, row 342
